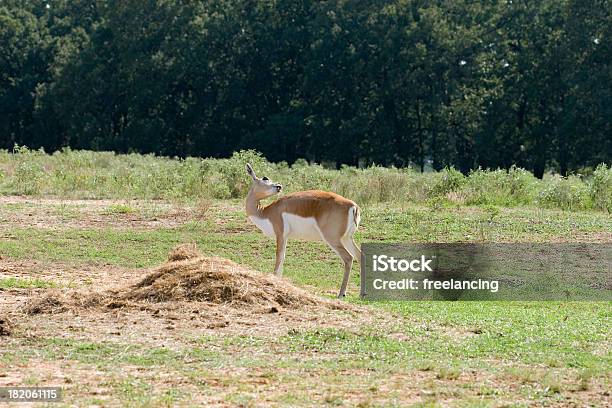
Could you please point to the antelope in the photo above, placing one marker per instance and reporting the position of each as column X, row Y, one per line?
column 308, row 215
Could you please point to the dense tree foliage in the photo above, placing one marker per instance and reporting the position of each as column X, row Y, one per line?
column 448, row 82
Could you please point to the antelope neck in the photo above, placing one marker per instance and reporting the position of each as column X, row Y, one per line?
column 253, row 207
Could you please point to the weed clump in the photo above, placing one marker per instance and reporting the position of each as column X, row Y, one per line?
column 500, row 187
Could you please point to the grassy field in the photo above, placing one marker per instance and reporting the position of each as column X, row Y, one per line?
column 379, row 354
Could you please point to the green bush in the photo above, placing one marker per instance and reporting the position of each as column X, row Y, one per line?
column 28, row 173
column 372, row 185
column 232, row 170
column 448, row 180
column 600, row 189
column 500, row 187
column 566, row 193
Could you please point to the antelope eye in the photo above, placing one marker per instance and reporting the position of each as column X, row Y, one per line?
column 265, row 178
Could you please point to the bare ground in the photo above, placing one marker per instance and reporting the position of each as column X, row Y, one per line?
column 68, row 274
column 49, row 213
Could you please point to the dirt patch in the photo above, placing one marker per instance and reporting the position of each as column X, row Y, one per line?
column 47, row 303
column 56, row 214
column 70, row 274
column 6, row 326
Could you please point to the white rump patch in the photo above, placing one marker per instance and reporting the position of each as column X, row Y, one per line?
column 351, row 223
column 264, row 225
column 305, row 228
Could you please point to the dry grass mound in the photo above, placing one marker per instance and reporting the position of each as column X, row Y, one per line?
column 188, row 275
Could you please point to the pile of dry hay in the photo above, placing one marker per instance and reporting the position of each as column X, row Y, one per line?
column 189, row 276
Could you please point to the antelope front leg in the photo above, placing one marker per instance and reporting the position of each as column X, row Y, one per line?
column 281, row 246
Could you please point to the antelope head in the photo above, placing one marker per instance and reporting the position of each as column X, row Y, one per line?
column 262, row 187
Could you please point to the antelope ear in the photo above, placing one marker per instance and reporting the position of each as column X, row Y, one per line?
column 250, row 171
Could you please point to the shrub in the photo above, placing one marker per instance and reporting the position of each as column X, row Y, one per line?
column 372, row 185
column 28, row 172
column 566, row 193
column 232, row 170
column 600, row 189
column 500, row 187
column 448, row 180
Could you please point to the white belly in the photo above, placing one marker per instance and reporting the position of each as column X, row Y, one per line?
column 264, row 225
column 305, row 228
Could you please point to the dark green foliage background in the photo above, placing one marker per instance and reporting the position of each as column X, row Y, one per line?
column 451, row 83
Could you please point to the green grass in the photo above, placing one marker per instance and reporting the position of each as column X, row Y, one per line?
column 27, row 283
column 552, row 334
column 119, row 209
column 106, row 355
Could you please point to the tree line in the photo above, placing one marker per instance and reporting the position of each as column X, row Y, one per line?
column 441, row 83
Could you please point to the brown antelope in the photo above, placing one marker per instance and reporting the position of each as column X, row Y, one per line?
column 309, row 215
